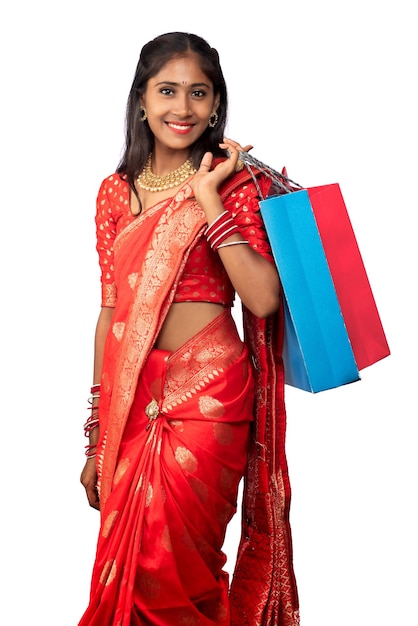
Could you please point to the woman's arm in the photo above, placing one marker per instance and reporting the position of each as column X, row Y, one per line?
column 254, row 278
column 89, row 474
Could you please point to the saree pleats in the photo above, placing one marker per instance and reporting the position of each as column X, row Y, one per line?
column 183, row 453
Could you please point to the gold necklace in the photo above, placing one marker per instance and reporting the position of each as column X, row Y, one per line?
column 151, row 182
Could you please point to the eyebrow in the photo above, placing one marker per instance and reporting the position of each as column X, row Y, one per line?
column 169, row 82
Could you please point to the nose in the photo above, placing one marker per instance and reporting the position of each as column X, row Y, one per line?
column 181, row 106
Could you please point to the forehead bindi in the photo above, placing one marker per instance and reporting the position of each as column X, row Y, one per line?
column 183, row 71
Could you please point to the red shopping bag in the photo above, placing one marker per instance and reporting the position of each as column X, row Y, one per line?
column 349, row 275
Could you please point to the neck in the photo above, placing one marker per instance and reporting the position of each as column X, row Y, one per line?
column 165, row 161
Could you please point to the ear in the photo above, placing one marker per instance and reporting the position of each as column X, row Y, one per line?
column 216, row 101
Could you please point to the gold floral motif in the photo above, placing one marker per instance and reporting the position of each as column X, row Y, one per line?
column 108, row 573
column 132, row 279
column 162, row 271
column 188, row 618
column 187, row 540
column 204, row 548
column 105, row 382
column 121, row 469
column 228, row 479
column 141, row 327
column 177, row 424
column 166, row 539
column 216, row 612
column 226, row 514
column 109, row 298
column 223, row 433
column 199, row 488
column 221, row 612
column 117, row 329
column 149, row 585
column 149, row 496
column 197, row 366
column 186, row 459
column 139, row 484
column 109, row 523
column 211, row 407
column 163, row 495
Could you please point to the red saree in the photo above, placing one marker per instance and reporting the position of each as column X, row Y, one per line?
column 174, row 441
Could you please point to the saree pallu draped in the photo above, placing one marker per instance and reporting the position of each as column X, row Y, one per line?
column 174, row 443
column 263, row 590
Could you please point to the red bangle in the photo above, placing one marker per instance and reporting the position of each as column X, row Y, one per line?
column 88, row 451
column 221, row 228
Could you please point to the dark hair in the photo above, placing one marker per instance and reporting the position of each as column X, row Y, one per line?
column 139, row 140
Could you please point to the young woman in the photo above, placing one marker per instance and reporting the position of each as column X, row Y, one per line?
column 181, row 407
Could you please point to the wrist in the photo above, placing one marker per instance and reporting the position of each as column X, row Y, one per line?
column 91, row 426
column 211, row 204
column 223, row 231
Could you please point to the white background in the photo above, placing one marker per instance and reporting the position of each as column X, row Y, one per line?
column 327, row 89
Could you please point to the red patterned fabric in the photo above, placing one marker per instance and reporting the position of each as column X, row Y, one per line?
column 159, row 556
column 204, row 277
column 263, row 590
column 168, row 485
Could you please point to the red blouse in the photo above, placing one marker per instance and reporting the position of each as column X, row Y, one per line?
column 204, row 278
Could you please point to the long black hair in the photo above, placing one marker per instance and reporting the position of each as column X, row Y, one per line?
column 139, row 140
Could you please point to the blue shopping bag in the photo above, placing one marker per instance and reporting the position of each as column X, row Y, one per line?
column 317, row 351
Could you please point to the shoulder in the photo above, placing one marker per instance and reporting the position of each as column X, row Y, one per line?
column 114, row 191
column 113, row 198
column 246, row 184
column 114, row 184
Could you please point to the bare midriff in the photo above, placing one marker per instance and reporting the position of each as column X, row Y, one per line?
column 183, row 321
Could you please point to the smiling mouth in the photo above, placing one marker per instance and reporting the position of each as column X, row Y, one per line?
column 179, row 126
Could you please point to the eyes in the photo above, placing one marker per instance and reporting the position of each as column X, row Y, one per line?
column 171, row 92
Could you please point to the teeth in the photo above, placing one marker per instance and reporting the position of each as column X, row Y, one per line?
column 178, row 127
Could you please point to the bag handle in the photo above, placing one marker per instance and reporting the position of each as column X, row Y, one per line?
column 284, row 183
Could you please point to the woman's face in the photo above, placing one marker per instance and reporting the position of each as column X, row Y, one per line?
column 179, row 101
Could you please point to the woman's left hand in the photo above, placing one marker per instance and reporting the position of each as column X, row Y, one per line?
column 207, row 181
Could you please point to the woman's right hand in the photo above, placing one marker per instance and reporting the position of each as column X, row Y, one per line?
column 88, row 476
column 207, row 181
column 88, row 479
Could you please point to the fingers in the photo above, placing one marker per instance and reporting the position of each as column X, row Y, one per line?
column 206, row 162
column 232, row 146
column 88, row 479
column 94, row 503
column 93, row 498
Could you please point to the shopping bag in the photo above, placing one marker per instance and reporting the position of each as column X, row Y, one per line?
column 318, row 217
column 349, row 275
column 317, row 352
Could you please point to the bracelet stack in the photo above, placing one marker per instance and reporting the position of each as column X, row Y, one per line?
column 93, row 420
column 221, row 228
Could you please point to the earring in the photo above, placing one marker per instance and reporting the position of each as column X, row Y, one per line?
column 143, row 114
column 213, row 120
